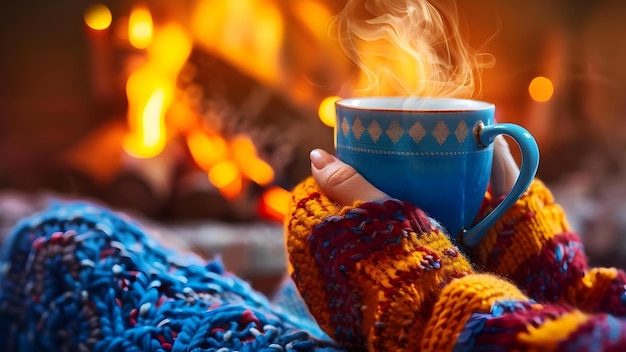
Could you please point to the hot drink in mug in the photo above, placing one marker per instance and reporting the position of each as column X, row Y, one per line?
column 433, row 152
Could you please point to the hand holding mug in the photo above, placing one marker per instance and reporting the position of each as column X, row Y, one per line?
column 435, row 153
column 343, row 184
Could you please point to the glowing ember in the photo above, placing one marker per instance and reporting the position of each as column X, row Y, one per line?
column 226, row 177
column 206, row 150
column 541, row 89
column 274, row 203
column 140, row 27
column 244, row 154
column 227, row 163
column 98, row 17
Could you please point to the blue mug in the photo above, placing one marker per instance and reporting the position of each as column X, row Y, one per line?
column 435, row 153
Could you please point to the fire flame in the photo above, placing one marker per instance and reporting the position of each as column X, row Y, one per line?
column 140, row 27
column 149, row 140
column 150, row 91
column 155, row 116
column 206, row 150
column 247, row 33
column 402, row 47
column 226, row 176
column 245, row 156
column 227, row 163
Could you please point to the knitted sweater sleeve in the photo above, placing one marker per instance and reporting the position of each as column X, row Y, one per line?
column 369, row 273
column 534, row 246
column 380, row 276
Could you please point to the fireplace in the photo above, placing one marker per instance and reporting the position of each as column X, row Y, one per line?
column 206, row 109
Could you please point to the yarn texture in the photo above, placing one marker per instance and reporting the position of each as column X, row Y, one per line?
column 382, row 276
column 370, row 276
column 82, row 278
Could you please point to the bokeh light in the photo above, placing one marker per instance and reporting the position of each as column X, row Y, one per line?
column 541, row 89
column 140, row 27
column 98, row 17
column 274, row 203
column 326, row 110
column 223, row 173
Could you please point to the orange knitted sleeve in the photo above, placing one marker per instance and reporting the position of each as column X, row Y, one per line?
column 534, row 246
column 370, row 273
column 382, row 276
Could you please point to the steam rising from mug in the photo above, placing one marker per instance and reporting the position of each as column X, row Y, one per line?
column 409, row 48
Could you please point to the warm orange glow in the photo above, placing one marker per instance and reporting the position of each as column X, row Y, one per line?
column 98, row 17
column 326, row 111
column 243, row 148
column 223, row 173
column 233, row 189
column 247, row 33
column 244, row 154
column 274, row 203
column 541, row 89
column 121, row 27
column 259, row 171
column 149, row 139
column 97, row 154
column 314, row 15
column 206, row 150
column 170, row 49
column 149, row 96
column 181, row 118
column 140, row 27
column 151, row 88
column 226, row 177
column 152, row 119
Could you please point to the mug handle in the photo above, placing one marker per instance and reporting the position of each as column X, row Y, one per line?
column 485, row 135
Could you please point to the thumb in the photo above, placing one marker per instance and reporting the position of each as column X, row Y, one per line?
column 340, row 181
column 504, row 171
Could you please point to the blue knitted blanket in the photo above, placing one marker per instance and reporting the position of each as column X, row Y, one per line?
column 78, row 277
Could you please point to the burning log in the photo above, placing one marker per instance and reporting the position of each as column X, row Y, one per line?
column 232, row 103
column 143, row 185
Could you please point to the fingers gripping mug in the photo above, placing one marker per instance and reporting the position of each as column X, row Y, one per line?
column 433, row 152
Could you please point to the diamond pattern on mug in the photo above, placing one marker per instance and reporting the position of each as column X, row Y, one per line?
column 461, row 132
column 375, row 131
column 417, row 132
column 345, row 127
column 441, row 132
column 395, row 131
column 357, row 128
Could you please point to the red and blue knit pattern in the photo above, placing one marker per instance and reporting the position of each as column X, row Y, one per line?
column 367, row 234
column 535, row 248
column 81, row 278
column 361, row 255
column 381, row 266
column 518, row 325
